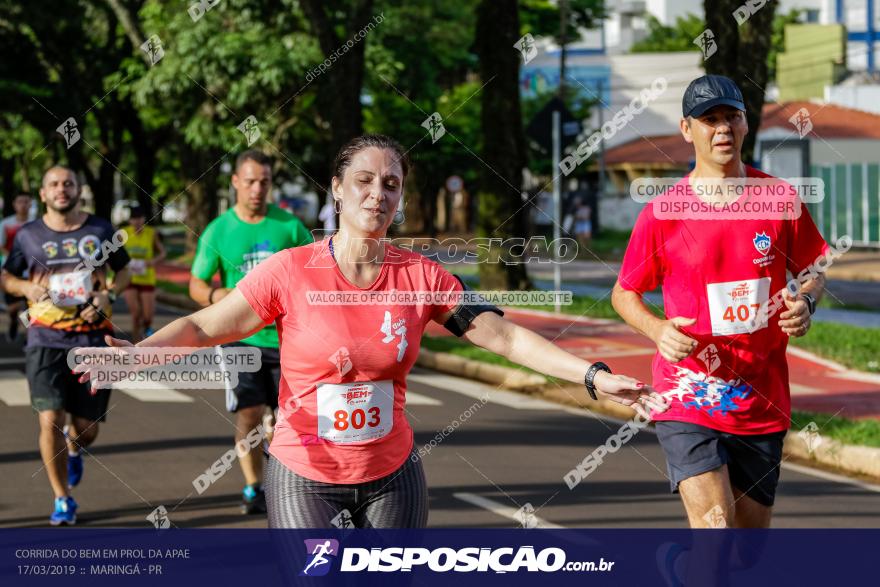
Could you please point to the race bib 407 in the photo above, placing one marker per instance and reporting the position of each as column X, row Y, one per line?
column 733, row 305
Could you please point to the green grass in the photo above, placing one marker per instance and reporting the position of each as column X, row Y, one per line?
column 171, row 287
column 861, row 432
column 592, row 308
column 855, row 347
column 610, row 244
column 455, row 346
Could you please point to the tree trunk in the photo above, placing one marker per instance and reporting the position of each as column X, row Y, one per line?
column 7, row 168
column 501, row 211
column 201, row 193
column 751, row 40
column 341, row 86
column 145, row 145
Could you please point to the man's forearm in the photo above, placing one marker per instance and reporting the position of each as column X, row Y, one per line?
column 201, row 292
column 121, row 281
column 634, row 312
column 815, row 287
column 15, row 286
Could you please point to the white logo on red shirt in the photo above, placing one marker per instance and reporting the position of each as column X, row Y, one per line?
column 397, row 328
column 342, row 360
column 762, row 244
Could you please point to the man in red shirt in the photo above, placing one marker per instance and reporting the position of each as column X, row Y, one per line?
column 721, row 257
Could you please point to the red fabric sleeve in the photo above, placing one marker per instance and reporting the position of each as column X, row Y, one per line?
column 642, row 268
column 264, row 286
column 805, row 243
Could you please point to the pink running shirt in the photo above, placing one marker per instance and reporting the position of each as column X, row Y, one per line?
column 343, row 367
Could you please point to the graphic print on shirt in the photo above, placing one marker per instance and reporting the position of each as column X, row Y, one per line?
column 712, row 395
column 762, row 244
column 50, row 248
column 69, row 246
column 258, row 253
column 89, row 245
column 341, row 359
column 392, row 330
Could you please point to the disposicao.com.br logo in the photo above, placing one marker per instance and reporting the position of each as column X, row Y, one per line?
column 321, row 552
column 443, row 560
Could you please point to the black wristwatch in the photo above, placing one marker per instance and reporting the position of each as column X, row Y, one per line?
column 811, row 303
column 591, row 374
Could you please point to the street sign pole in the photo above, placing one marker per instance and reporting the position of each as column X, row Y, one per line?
column 557, row 206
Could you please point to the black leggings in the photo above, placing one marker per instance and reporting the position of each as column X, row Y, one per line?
column 398, row 500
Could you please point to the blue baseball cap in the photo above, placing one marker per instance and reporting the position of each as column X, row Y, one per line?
column 709, row 91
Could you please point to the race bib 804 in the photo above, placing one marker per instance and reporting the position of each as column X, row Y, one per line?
column 734, row 304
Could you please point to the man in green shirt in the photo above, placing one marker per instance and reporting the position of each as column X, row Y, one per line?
column 235, row 242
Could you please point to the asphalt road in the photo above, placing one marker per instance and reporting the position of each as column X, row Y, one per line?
column 505, row 457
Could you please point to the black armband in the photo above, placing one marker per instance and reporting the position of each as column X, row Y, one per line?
column 464, row 314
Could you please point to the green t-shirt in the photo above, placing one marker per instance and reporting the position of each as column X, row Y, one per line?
column 235, row 247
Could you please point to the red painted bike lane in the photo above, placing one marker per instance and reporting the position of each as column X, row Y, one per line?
column 816, row 384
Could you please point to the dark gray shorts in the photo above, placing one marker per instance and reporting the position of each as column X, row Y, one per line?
column 752, row 459
column 54, row 387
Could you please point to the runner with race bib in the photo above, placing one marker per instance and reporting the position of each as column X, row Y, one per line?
column 343, row 445
column 144, row 245
column 61, row 263
column 721, row 348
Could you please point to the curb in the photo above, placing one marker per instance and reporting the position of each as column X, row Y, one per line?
column 847, row 458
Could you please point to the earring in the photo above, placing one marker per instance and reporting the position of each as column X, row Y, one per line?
column 399, row 217
column 337, row 206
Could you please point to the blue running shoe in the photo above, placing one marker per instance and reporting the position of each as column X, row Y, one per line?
column 65, row 512
column 74, row 470
column 149, row 331
column 253, row 500
column 74, row 465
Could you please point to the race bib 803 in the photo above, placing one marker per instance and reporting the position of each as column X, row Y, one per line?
column 734, row 304
column 355, row 412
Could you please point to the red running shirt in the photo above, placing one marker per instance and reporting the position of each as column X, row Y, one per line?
column 343, row 367
column 718, row 271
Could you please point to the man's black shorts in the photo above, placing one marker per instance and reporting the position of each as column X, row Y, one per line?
column 54, row 387
column 257, row 388
column 752, row 459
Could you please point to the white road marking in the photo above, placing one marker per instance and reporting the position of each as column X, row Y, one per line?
column 158, row 395
column 417, row 399
column 14, row 390
column 831, row 476
column 479, row 391
column 500, row 509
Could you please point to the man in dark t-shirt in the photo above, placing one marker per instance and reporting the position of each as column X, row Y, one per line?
column 66, row 256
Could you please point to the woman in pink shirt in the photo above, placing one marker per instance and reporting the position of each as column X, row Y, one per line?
column 342, row 451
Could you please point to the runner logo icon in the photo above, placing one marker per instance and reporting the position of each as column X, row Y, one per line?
column 321, row 553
